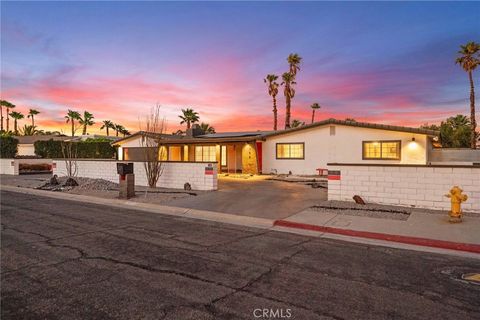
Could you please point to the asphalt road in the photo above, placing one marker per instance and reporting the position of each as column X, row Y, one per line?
column 68, row 260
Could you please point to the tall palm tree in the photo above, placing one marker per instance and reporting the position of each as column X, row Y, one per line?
column 71, row 117
column 289, row 92
column 16, row 116
column 297, row 123
column 124, row 131
column 189, row 116
column 469, row 60
column 207, row 128
column 31, row 114
column 271, row 80
column 86, row 121
column 7, row 105
column 294, row 61
column 107, row 124
column 118, row 129
column 314, row 106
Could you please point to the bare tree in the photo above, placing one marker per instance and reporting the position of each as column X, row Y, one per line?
column 70, row 155
column 152, row 130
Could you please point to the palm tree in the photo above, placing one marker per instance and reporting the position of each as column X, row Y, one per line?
column 107, row 124
column 314, row 106
column 124, row 131
column 29, row 130
column 86, row 121
column 16, row 116
column 289, row 92
column 189, row 116
column 7, row 105
column 31, row 114
column 207, row 128
column 294, row 61
column 118, row 128
column 71, row 117
column 469, row 61
column 297, row 123
column 273, row 91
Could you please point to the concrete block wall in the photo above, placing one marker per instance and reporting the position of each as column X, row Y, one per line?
column 418, row 186
column 174, row 175
column 7, row 166
column 12, row 166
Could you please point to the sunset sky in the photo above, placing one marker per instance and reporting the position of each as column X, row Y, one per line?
column 380, row 62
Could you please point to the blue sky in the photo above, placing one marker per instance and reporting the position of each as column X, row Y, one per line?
column 374, row 61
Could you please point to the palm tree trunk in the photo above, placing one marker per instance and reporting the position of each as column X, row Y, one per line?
column 15, row 126
column 1, row 112
column 84, row 132
column 33, row 121
column 473, row 141
column 8, row 121
column 73, row 128
column 116, row 133
column 188, row 125
column 313, row 115
column 107, row 132
column 287, row 112
column 274, row 113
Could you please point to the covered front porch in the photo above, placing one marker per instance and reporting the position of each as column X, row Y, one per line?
column 232, row 157
column 239, row 157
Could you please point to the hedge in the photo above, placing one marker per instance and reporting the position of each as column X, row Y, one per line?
column 8, row 146
column 84, row 149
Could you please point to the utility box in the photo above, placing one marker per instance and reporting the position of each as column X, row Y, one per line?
column 124, row 168
column 126, row 180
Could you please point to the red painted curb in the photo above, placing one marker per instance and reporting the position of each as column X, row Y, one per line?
column 468, row 247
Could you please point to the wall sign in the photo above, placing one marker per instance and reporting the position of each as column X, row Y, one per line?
column 334, row 175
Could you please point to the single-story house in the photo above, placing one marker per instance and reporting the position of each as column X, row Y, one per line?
column 301, row 150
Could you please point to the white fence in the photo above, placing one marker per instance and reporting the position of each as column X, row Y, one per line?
column 418, row 186
column 12, row 166
column 200, row 175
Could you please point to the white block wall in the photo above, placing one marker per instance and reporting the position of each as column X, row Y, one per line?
column 423, row 187
column 7, row 166
column 12, row 166
column 175, row 174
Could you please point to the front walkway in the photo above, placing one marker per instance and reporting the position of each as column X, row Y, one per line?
column 256, row 196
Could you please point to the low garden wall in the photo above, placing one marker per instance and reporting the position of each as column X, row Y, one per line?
column 12, row 166
column 7, row 166
column 175, row 174
column 404, row 185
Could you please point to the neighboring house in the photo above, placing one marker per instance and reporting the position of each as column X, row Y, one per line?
column 300, row 150
column 26, row 143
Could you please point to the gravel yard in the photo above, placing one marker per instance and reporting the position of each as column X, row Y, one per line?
column 375, row 210
column 97, row 188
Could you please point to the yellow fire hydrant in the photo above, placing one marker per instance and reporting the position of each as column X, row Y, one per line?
column 456, row 199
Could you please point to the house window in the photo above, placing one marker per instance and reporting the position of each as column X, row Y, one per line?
column 381, row 150
column 205, row 153
column 223, row 156
column 290, row 150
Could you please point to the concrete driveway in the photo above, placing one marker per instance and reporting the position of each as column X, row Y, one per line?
column 257, row 197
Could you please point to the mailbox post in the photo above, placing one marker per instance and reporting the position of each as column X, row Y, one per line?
column 126, row 180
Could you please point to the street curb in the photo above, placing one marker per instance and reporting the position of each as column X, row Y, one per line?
column 153, row 208
column 467, row 247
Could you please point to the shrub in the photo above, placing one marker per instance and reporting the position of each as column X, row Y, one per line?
column 83, row 149
column 8, row 146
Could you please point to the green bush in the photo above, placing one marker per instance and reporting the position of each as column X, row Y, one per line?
column 83, row 149
column 8, row 146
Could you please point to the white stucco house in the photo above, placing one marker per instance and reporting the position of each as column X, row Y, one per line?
column 302, row 150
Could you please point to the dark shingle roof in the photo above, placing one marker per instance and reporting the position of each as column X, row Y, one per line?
column 356, row 124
